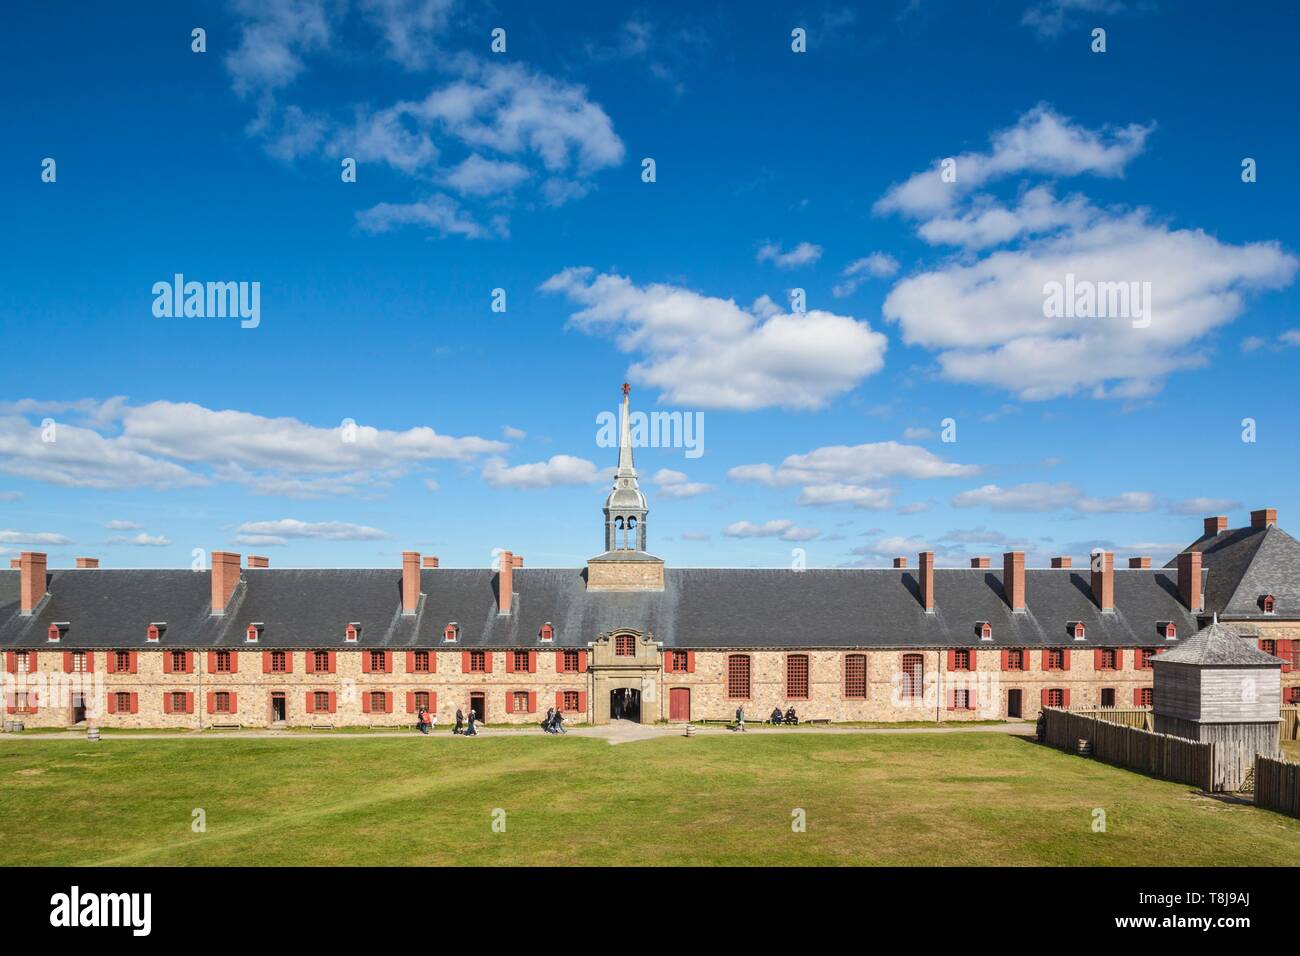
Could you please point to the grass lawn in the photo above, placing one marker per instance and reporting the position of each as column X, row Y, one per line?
column 968, row 798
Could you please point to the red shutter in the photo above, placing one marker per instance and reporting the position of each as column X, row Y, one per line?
column 487, row 661
column 433, row 702
column 690, row 662
column 212, row 702
column 952, row 694
column 582, row 701
column 510, row 702
column 189, row 661
column 1065, row 659
column 167, row 702
column 333, row 661
column 410, row 662
column 11, row 662
column 112, row 703
column 1096, row 659
column 388, row 702
column 973, row 660
column 234, row 662
column 365, row 662
column 1137, row 696
column 135, row 661
column 167, row 662
column 433, row 664
column 67, row 662
column 266, row 662
column 288, row 662
column 212, row 662
column 532, row 662
column 90, row 662
column 410, row 699
column 308, row 664
column 510, row 662
column 532, row 701
column 1119, row 659
column 311, row 702
column 1284, row 652
column 365, row 702
column 112, row 662
column 1004, row 659
column 189, row 703
column 234, row 702
column 333, row 698
column 952, row 666
column 1065, row 698
column 1044, row 700
column 464, row 662
column 33, row 662
column 559, row 700
column 668, row 662
column 559, row 662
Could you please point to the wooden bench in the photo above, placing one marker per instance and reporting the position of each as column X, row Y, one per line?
column 320, row 727
column 225, row 726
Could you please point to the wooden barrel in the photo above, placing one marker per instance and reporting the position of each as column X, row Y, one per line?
column 13, row 726
column 1085, row 747
column 92, row 733
column 690, row 730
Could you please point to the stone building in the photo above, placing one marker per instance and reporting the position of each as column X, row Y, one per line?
column 623, row 637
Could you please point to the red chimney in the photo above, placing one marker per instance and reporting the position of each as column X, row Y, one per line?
column 1062, row 562
column 225, row 575
column 505, row 582
column 257, row 561
column 1189, row 579
column 1216, row 525
column 1103, row 579
column 410, row 581
column 980, row 562
column 926, row 564
column 1013, row 579
column 87, row 562
column 1139, row 562
column 32, row 587
column 430, row 561
column 1263, row 517
column 15, row 563
column 517, row 560
column 900, row 562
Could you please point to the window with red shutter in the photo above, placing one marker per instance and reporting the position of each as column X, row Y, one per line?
column 478, row 662
column 1055, row 697
column 570, row 700
column 421, row 662
column 570, row 662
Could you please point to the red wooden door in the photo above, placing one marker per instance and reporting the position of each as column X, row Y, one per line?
column 679, row 703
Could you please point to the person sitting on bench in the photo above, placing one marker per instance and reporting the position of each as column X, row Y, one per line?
column 791, row 717
column 776, row 716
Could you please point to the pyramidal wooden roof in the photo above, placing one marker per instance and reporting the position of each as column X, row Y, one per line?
column 1218, row 646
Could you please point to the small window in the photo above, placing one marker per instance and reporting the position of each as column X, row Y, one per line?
column 351, row 633
column 122, row 660
column 22, row 662
column 986, row 631
column 520, row 699
column 681, row 662
column 24, row 703
column 78, row 662
column 451, row 632
column 178, row 661
column 478, row 662
column 1109, row 659
column 122, row 702
column 1144, row 696
column 221, row 702
column 1293, row 695
column 153, row 633
column 320, row 661
column 421, row 661
column 1269, row 604
column 796, row 676
column 1170, row 630
column 961, row 659
column 520, row 661
column 421, row 700
column 321, row 701
column 1078, row 630
column 855, row 676
column 378, row 701
column 1268, row 646
column 1055, row 658
column 913, row 676
column 53, row 633
column 178, row 702
column 252, row 633
column 570, row 700
column 548, row 633
column 625, row 645
column 570, row 663
column 1055, row 697
column 961, row 699
column 279, row 662
column 738, row 676
column 376, row 660
column 1144, row 655
column 1017, row 659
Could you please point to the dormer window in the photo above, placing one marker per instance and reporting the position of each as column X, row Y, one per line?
column 548, row 632
column 154, row 632
column 451, row 632
column 1077, row 630
column 985, row 630
column 1170, row 630
column 56, row 630
column 352, row 632
column 1268, row 603
column 253, row 633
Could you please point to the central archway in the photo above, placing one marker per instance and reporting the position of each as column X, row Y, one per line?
column 625, row 704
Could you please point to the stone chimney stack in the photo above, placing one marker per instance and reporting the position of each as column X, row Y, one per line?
column 1216, row 525
column 87, row 562
column 1063, row 562
column 1263, row 517
column 900, row 562
column 1189, row 580
column 1142, row 562
column 430, row 561
column 1103, row 579
column 980, row 562
column 258, row 561
column 505, row 582
column 32, row 579
column 410, row 581
column 926, row 564
column 225, row 576
column 1013, row 579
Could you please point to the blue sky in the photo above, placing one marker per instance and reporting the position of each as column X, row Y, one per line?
column 522, row 171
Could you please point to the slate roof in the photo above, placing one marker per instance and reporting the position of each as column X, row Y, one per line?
column 699, row 608
column 1218, row 646
column 1244, row 564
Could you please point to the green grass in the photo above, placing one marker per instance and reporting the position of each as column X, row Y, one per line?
column 949, row 799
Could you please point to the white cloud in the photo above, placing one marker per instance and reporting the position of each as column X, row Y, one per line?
column 675, row 484
column 917, row 434
column 784, row 529
column 805, row 253
column 1042, row 141
column 1130, row 502
column 117, row 524
column 880, row 265
column 409, row 27
column 860, row 496
column 10, row 495
column 1289, row 338
column 695, row 536
column 273, row 39
column 1042, row 496
column 989, row 224
column 141, row 540
column 514, row 434
column 557, row 470
column 1049, row 17
column 1204, row 507
column 476, row 176
column 872, row 461
column 281, row 531
column 46, row 538
column 709, row 352
column 439, row 213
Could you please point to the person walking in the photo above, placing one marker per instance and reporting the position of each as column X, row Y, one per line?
column 460, row 722
column 422, row 721
column 740, row 718
column 470, row 729
column 558, row 723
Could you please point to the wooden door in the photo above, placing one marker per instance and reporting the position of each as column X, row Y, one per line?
column 679, row 703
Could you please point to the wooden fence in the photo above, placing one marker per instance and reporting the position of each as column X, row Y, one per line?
column 1290, row 723
column 1170, row 758
column 1139, row 717
column 1277, row 785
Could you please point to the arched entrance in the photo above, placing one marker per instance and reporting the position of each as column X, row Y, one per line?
column 625, row 704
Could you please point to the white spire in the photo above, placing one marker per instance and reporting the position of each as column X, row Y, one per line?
column 626, row 469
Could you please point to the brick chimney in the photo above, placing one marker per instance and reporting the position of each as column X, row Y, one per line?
column 1139, row 562
column 15, row 563
column 87, row 562
column 430, row 561
column 1063, row 562
column 1189, row 579
column 32, row 588
column 258, row 561
column 1216, row 525
column 410, row 581
column 517, row 560
column 1103, row 579
column 925, row 562
column 1013, row 579
column 505, row 582
column 900, row 562
column 225, row 575
column 1263, row 517
column 981, row 562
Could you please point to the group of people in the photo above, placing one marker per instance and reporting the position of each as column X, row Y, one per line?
column 466, row 728
column 790, row 717
column 554, row 722
column 425, row 721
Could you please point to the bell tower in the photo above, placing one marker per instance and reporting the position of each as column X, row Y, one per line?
column 625, row 565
